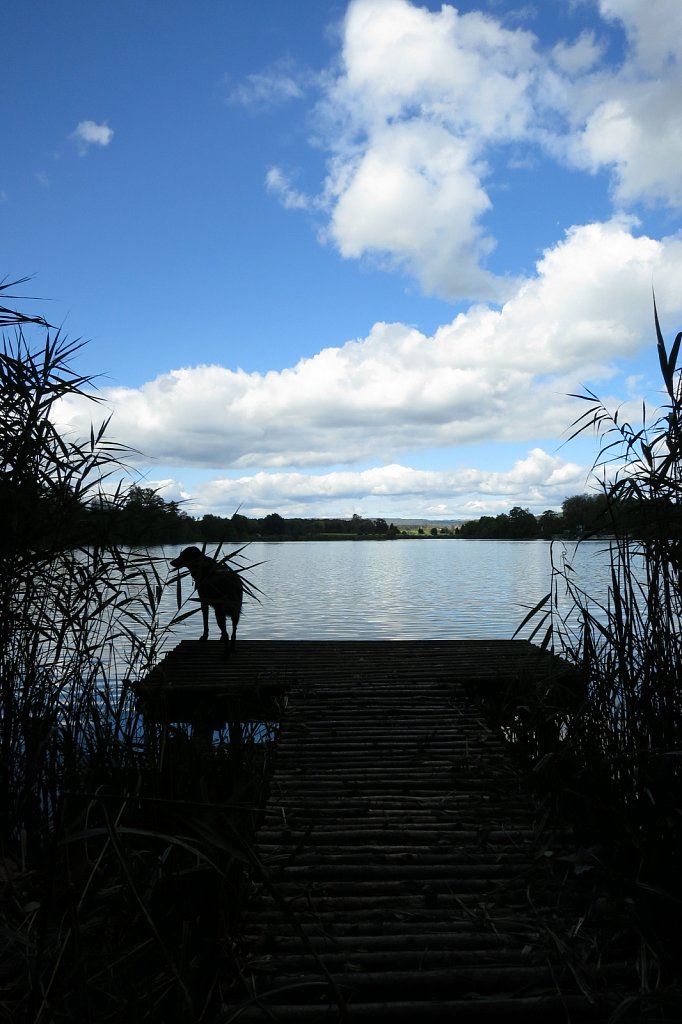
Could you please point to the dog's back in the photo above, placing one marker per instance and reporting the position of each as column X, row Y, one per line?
column 218, row 584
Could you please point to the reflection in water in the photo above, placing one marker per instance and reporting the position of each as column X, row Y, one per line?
column 402, row 589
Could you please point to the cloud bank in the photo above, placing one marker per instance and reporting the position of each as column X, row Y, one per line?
column 391, row 491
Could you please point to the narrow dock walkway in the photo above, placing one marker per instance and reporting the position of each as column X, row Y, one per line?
column 405, row 879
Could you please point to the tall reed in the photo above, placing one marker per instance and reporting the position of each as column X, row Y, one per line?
column 69, row 601
column 618, row 766
column 123, row 845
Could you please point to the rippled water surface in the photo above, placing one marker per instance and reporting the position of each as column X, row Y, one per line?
column 402, row 589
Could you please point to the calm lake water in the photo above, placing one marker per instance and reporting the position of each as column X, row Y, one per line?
column 392, row 590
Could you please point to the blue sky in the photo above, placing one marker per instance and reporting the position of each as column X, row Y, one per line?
column 337, row 258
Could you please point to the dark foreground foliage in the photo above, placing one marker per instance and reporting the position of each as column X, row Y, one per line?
column 123, row 846
column 604, row 745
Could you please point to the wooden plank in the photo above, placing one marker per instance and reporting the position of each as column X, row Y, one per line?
column 196, row 679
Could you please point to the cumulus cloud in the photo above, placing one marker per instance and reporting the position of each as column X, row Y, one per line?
column 415, row 197
column 489, row 375
column 653, row 30
column 638, row 133
column 89, row 133
column 465, row 70
column 627, row 119
column 421, row 105
column 419, row 96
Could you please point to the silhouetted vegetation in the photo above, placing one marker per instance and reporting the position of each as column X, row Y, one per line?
column 581, row 516
column 277, row 527
column 143, row 517
column 517, row 524
column 123, row 844
column 610, row 758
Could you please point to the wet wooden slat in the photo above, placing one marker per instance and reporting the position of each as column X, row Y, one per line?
column 252, row 681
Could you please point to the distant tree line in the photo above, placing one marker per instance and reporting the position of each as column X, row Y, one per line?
column 581, row 515
column 144, row 517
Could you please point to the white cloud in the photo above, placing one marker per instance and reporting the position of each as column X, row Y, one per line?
column 279, row 184
column 89, row 133
column 628, row 119
column 464, row 70
column 653, row 29
column 419, row 96
column 640, row 135
column 577, row 57
column 282, row 82
column 539, row 480
column 422, row 103
column 490, row 375
column 415, row 196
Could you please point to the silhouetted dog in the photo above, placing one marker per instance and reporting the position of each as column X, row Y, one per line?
column 217, row 586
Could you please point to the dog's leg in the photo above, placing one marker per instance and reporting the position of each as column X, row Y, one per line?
column 221, row 619
column 204, row 612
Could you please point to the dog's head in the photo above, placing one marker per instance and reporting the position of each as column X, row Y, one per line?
column 188, row 559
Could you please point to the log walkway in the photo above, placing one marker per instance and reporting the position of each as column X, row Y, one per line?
column 404, row 875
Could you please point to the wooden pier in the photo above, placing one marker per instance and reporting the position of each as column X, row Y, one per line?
column 404, row 877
